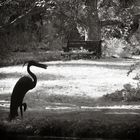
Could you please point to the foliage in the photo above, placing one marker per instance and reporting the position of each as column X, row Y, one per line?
column 119, row 11
column 127, row 94
column 15, row 30
column 15, row 58
column 115, row 13
column 31, row 21
column 26, row 23
column 116, row 47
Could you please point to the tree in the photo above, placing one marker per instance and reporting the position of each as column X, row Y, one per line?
column 20, row 22
column 91, row 18
column 127, row 15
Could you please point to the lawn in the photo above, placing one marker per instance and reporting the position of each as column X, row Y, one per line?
column 64, row 102
column 111, row 124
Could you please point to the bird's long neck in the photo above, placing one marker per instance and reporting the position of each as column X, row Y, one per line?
column 32, row 75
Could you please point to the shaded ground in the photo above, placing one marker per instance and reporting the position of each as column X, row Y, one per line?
column 77, row 123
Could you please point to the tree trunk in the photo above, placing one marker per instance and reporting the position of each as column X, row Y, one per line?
column 93, row 30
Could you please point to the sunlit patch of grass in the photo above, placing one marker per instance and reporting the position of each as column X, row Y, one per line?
column 73, row 78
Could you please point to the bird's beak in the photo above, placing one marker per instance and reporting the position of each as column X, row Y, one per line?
column 42, row 66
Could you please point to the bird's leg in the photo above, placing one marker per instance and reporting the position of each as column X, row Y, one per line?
column 25, row 106
column 21, row 111
column 13, row 111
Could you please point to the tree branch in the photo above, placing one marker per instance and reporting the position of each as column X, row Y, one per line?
column 32, row 11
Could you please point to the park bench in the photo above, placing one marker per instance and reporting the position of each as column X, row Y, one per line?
column 82, row 49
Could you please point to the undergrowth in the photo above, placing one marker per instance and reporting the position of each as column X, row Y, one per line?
column 16, row 58
column 128, row 93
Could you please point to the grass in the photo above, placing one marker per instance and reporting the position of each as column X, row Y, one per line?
column 15, row 58
column 80, row 124
column 41, row 101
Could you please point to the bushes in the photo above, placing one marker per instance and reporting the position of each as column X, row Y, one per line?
column 128, row 93
column 116, row 47
column 15, row 58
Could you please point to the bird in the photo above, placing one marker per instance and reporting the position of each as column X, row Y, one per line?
column 23, row 85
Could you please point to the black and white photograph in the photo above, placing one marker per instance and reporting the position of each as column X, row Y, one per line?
column 69, row 69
